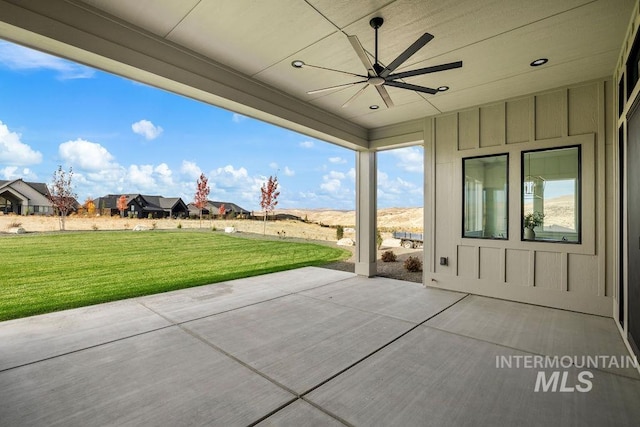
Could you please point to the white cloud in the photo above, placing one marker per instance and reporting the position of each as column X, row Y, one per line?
column 16, row 57
column 165, row 175
column 87, row 155
column 190, row 169
column 336, row 175
column 411, row 158
column 337, row 160
column 147, row 129
column 331, row 185
column 237, row 118
column 288, row 172
column 229, row 176
column 274, row 165
column 13, row 172
column 141, row 177
column 332, row 182
column 306, row 144
column 15, row 152
column 397, row 191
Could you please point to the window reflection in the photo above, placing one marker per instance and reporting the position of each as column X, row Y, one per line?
column 485, row 197
column 551, row 195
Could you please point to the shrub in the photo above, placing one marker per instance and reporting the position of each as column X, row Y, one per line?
column 339, row 232
column 214, row 228
column 413, row 264
column 179, row 225
column 14, row 224
column 94, row 227
column 154, row 225
column 378, row 238
column 126, row 225
column 388, row 256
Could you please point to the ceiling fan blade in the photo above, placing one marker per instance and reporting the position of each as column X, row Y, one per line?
column 362, row 55
column 357, row 94
column 385, row 96
column 331, row 69
column 416, row 46
column 411, row 87
column 426, row 70
column 327, row 89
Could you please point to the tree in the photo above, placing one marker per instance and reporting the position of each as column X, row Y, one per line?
column 222, row 210
column 90, row 206
column 202, row 194
column 61, row 194
column 122, row 205
column 269, row 198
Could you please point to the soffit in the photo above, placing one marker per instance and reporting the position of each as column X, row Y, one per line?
column 495, row 39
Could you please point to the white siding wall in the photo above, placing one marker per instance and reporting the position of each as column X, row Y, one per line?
column 571, row 276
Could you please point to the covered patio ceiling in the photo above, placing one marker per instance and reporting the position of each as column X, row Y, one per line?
column 238, row 54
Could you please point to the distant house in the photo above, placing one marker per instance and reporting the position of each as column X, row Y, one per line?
column 213, row 207
column 24, row 198
column 143, row 206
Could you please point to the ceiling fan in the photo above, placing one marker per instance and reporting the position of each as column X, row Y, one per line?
column 379, row 76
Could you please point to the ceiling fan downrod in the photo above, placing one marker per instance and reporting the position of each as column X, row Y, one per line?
column 375, row 24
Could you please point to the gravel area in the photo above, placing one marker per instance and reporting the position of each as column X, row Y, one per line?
column 393, row 270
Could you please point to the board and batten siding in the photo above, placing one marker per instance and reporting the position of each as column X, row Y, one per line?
column 570, row 276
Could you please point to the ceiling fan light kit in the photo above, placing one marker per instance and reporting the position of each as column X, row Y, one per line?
column 380, row 76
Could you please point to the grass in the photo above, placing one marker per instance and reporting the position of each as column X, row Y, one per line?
column 49, row 272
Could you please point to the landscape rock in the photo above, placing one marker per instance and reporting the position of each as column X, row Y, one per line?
column 229, row 229
column 140, row 228
column 391, row 243
column 346, row 242
column 17, row 230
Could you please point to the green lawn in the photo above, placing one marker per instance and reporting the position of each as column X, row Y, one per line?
column 49, row 272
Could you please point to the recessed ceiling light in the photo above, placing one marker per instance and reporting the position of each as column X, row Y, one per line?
column 443, row 88
column 374, row 107
column 539, row 62
column 297, row 64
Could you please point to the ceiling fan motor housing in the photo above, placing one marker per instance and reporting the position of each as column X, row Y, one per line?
column 376, row 22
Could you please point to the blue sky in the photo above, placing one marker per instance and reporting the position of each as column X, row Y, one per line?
column 125, row 137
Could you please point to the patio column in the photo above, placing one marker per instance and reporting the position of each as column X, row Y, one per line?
column 366, row 187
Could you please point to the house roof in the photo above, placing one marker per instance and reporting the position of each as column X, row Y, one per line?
column 40, row 187
column 229, row 207
column 213, row 206
column 150, row 203
column 248, row 68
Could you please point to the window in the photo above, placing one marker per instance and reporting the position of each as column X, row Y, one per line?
column 551, row 195
column 485, row 197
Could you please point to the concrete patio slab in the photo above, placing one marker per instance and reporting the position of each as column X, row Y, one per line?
column 298, row 341
column 403, row 300
column 202, row 301
column 40, row 337
column 194, row 303
column 431, row 377
column 535, row 329
column 165, row 377
column 336, row 349
column 300, row 413
column 301, row 279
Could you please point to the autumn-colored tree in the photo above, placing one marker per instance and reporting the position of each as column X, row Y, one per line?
column 202, row 194
column 269, row 198
column 89, row 206
column 122, row 205
column 61, row 194
column 222, row 210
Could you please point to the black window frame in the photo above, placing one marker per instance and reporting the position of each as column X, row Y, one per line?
column 578, row 191
column 462, row 224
